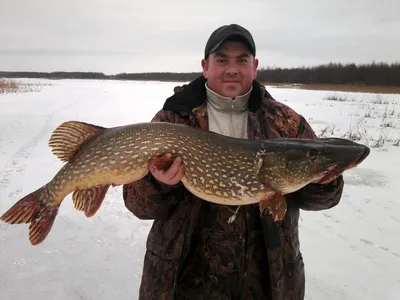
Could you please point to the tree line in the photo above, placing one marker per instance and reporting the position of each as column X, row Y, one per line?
column 335, row 73
column 382, row 74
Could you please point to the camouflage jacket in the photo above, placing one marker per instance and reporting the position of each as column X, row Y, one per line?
column 192, row 252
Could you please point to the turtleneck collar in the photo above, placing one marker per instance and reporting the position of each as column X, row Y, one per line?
column 228, row 104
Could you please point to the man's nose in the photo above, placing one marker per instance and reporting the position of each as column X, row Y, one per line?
column 232, row 71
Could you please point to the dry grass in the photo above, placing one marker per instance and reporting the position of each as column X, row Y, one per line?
column 327, row 131
column 8, row 86
column 386, row 120
column 340, row 98
column 357, row 131
column 340, row 88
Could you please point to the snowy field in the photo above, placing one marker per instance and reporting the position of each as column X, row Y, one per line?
column 351, row 251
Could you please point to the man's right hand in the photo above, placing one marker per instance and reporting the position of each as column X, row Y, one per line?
column 171, row 175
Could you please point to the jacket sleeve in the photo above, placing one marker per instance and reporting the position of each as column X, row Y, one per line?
column 147, row 198
column 317, row 196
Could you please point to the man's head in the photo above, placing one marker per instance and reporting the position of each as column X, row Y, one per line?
column 229, row 63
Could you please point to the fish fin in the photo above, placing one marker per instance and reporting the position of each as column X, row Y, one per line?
column 89, row 200
column 274, row 204
column 78, row 200
column 69, row 136
column 31, row 209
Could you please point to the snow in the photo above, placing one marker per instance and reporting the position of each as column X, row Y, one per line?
column 351, row 251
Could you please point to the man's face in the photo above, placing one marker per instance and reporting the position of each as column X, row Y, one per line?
column 230, row 70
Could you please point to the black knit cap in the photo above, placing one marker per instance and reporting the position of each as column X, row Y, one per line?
column 231, row 32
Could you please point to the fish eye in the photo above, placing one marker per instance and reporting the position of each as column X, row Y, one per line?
column 312, row 154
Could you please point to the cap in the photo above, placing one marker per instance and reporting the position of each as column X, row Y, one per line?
column 232, row 31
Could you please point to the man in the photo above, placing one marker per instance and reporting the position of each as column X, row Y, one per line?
column 193, row 252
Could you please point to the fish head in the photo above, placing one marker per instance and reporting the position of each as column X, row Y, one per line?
column 290, row 164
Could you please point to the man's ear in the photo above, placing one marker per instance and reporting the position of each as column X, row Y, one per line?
column 204, row 65
column 255, row 66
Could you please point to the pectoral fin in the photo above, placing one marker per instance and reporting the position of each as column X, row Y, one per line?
column 274, row 204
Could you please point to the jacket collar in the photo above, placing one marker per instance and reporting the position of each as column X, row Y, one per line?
column 227, row 104
column 194, row 95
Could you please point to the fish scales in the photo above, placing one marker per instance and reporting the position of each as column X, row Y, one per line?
column 220, row 169
column 204, row 156
column 202, row 153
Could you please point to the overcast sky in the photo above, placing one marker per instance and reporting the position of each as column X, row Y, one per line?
column 139, row 36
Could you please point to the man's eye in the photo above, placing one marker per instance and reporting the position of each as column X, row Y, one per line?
column 242, row 61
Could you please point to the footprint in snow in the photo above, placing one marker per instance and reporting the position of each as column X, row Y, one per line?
column 21, row 169
column 330, row 217
column 15, row 193
column 19, row 263
column 355, row 249
column 395, row 219
column 367, row 242
column 396, row 254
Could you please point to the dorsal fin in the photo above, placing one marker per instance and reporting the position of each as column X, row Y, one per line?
column 69, row 136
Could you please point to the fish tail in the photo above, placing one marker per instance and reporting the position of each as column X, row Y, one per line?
column 34, row 210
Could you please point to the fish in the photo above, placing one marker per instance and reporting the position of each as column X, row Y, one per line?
column 217, row 168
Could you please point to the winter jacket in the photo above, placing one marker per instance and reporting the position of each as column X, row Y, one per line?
column 262, row 258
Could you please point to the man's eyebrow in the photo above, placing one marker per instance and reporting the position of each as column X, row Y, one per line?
column 221, row 54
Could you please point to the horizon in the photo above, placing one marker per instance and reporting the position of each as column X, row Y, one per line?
column 262, row 68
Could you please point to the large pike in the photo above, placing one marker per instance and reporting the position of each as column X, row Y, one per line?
column 218, row 168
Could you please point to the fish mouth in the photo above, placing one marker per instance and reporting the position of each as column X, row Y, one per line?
column 330, row 170
column 350, row 156
column 364, row 153
column 350, row 149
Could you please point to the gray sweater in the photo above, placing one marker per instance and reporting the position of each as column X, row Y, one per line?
column 228, row 116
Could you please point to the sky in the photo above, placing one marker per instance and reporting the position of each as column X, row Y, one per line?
column 118, row 36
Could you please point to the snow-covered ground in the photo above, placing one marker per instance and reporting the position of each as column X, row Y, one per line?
column 351, row 251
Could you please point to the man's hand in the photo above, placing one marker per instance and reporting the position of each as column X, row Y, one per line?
column 166, row 169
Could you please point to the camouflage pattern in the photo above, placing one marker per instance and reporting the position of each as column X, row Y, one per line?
column 192, row 252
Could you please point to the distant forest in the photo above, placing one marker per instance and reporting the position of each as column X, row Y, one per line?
column 378, row 74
